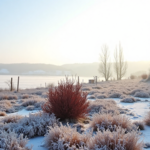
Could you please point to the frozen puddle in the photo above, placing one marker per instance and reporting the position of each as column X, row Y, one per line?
column 37, row 143
column 24, row 112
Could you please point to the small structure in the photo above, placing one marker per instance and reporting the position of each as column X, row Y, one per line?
column 91, row 81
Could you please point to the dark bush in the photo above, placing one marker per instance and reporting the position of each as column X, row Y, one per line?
column 144, row 76
column 67, row 101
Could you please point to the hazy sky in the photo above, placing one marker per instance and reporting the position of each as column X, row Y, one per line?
column 72, row 31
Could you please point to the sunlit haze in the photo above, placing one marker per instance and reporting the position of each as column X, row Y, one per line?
column 72, row 31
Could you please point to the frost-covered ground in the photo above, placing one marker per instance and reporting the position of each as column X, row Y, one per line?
column 29, row 101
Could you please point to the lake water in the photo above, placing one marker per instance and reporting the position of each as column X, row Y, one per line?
column 35, row 81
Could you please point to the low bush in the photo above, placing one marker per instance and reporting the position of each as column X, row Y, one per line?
column 139, row 124
column 30, row 107
column 147, row 119
column 128, row 100
column 65, row 137
column 11, row 141
column 11, row 119
column 141, row 94
column 25, row 96
column 100, row 105
column 67, row 101
column 35, row 101
column 101, row 96
column 8, row 97
column 116, row 140
column 5, row 105
column 34, row 125
column 115, row 95
column 144, row 76
column 104, row 121
column 2, row 113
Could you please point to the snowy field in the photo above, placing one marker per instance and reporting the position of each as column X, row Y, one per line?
column 131, row 96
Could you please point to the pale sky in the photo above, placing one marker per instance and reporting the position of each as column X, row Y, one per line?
column 72, row 31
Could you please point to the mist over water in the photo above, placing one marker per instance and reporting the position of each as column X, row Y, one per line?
column 35, row 81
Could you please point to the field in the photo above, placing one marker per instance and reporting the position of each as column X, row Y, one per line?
column 114, row 115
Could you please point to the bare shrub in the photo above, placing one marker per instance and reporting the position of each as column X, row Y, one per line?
column 104, row 121
column 11, row 141
column 64, row 137
column 128, row 100
column 67, row 101
column 147, row 119
column 33, row 125
column 118, row 139
column 139, row 124
column 11, row 119
column 144, row 76
column 141, row 94
column 2, row 113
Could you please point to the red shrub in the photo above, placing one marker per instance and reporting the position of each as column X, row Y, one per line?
column 67, row 101
column 144, row 76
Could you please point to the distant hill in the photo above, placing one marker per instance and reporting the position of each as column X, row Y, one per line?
column 33, row 69
column 79, row 69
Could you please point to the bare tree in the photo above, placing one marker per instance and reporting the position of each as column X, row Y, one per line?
column 105, row 65
column 120, row 66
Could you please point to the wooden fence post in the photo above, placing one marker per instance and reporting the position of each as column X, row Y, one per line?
column 18, row 84
column 78, row 80
column 11, row 86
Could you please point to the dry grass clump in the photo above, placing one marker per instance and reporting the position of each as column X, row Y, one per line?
column 5, row 105
column 25, row 96
column 128, row 100
column 8, row 97
column 141, row 94
column 147, row 119
column 101, row 96
column 33, row 125
column 65, row 137
column 100, row 105
column 96, row 87
column 11, row 141
column 115, row 95
column 11, row 119
column 86, row 88
column 116, row 140
column 93, row 92
column 104, row 121
column 30, row 107
column 2, row 113
column 91, row 97
column 134, row 91
column 139, row 124
column 36, row 101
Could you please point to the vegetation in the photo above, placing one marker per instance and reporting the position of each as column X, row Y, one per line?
column 67, row 101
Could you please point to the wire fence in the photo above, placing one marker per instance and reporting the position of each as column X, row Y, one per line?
column 34, row 81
